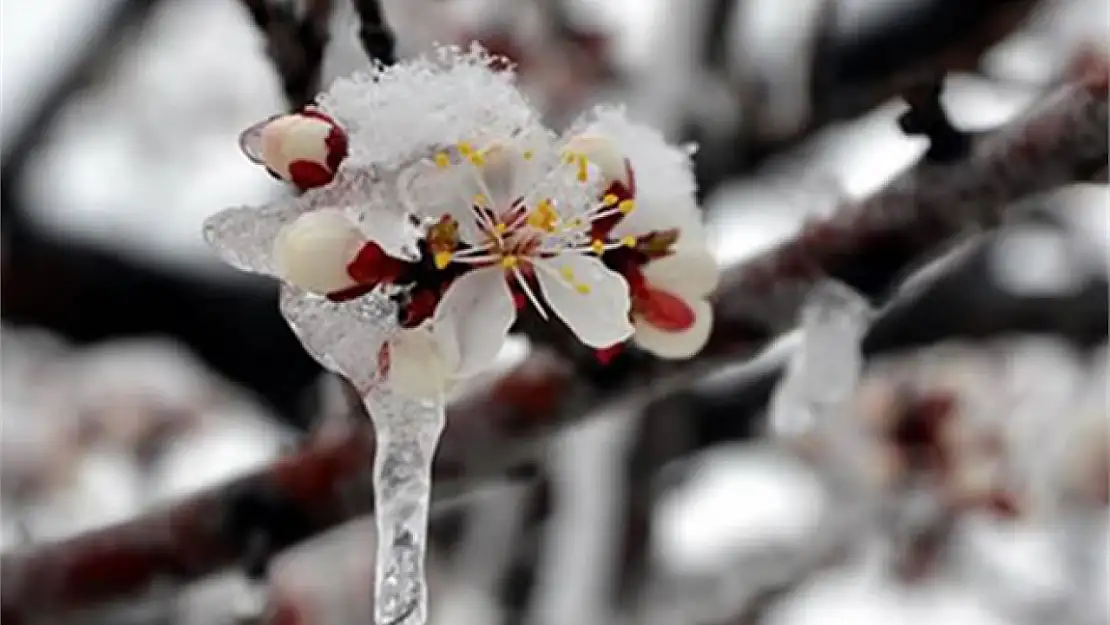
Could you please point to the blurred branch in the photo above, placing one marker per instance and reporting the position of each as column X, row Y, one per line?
column 294, row 44
column 853, row 73
column 497, row 430
column 124, row 18
column 867, row 243
column 374, row 32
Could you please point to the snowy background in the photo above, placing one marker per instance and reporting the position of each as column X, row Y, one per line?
column 94, row 432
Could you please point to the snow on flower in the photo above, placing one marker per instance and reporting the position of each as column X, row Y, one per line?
column 437, row 207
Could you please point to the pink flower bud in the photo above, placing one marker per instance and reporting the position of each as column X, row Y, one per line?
column 303, row 148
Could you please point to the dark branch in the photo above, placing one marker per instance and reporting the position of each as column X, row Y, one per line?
column 294, row 44
column 374, row 32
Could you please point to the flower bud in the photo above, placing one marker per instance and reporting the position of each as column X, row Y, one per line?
column 314, row 251
column 304, row 148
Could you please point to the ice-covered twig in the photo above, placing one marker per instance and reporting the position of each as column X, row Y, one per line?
column 326, row 483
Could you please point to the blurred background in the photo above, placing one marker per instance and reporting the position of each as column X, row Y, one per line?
column 137, row 369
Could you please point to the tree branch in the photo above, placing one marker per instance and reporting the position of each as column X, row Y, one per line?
column 374, row 32
column 294, row 44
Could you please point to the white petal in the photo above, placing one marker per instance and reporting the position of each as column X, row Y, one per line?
column 475, row 314
column 313, row 252
column 597, row 313
column 500, row 172
column 676, row 345
column 417, row 366
column 691, row 272
column 430, row 192
column 655, row 214
column 603, row 154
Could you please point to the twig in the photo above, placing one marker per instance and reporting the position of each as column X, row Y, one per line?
column 852, row 74
column 295, row 44
column 328, row 481
column 374, row 32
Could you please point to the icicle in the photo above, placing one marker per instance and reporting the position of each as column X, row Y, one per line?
column 407, row 433
column 811, row 401
column 825, row 370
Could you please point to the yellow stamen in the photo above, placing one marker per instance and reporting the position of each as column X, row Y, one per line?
column 509, row 262
column 584, row 289
column 583, row 170
column 610, row 199
column 500, row 228
column 465, row 148
column 626, row 206
column 442, row 259
column 442, row 160
column 629, row 241
column 528, row 155
column 477, row 159
column 543, row 216
column 480, row 199
column 597, row 247
column 567, row 273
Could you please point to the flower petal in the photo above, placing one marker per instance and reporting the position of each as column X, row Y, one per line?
column 417, row 366
column 474, row 316
column 654, row 214
column 313, row 252
column 603, row 156
column 676, row 345
column 690, row 272
column 589, row 297
column 430, row 191
column 500, row 167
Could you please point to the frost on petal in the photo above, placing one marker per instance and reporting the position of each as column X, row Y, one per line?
column 589, row 297
column 824, row 372
column 313, row 252
column 664, row 175
column 417, row 107
column 475, row 315
column 692, row 273
column 676, row 345
column 417, row 365
column 344, row 337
